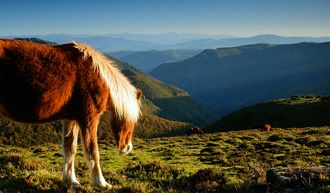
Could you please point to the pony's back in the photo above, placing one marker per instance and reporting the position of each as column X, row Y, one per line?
column 36, row 80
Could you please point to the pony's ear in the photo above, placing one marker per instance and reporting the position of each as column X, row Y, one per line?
column 139, row 94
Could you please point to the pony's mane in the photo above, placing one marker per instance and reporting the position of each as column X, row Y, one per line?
column 122, row 92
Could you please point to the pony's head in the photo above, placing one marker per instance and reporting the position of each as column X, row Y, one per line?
column 123, row 127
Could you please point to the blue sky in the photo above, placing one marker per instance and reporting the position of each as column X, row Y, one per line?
column 234, row 17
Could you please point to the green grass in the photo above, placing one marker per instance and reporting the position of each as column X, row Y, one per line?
column 234, row 161
column 297, row 111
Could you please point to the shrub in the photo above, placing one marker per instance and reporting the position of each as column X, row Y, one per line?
column 274, row 138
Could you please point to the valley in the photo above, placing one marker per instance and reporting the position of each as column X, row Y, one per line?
column 231, row 78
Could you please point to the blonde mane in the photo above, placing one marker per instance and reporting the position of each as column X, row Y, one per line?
column 122, row 92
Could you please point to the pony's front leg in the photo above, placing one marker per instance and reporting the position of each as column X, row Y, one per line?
column 69, row 145
column 89, row 140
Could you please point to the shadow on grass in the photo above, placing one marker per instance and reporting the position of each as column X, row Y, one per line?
column 162, row 178
column 23, row 185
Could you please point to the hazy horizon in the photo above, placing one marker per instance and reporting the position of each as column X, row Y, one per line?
column 164, row 33
column 234, row 18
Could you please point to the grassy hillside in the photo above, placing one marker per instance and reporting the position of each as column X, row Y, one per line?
column 167, row 101
column 148, row 60
column 222, row 162
column 19, row 134
column 297, row 111
column 231, row 78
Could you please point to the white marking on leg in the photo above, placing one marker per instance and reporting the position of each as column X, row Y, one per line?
column 74, row 181
column 128, row 148
column 96, row 173
column 69, row 144
column 97, row 177
column 89, row 140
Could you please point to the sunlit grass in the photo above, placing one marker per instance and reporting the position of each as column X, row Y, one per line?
column 214, row 162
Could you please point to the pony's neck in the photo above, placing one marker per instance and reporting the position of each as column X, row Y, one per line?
column 122, row 92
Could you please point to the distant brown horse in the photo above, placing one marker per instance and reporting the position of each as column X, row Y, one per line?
column 70, row 82
column 267, row 127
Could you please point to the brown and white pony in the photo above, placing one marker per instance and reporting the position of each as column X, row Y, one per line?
column 74, row 83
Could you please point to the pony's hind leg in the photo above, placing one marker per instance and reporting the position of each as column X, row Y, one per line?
column 89, row 140
column 69, row 145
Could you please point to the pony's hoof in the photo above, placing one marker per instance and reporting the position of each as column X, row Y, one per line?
column 100, row 182
column 72, row 183
column 106, row 185
column 75, row 185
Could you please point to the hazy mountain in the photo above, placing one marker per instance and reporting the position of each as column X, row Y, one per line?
column 37, row 40
column 169, row 41
column 125, row 41
column 211, row 43
column 168, row 38
column 230, row 78
column 103, row 43
column 121, row 54
column 148, row 60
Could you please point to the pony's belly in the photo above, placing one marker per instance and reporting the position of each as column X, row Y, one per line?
column 24, row 116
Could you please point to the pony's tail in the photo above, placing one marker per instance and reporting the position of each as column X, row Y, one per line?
column 124, row 96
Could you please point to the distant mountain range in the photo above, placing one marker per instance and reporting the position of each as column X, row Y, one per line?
column 167, row 38
column 148, row 60
column 230, row 78
column 170, row 41
column 103, row 43
column 232, row 42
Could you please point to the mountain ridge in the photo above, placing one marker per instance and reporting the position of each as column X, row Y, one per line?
column 171, row 41
column 244, row 75
column 239, row 41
